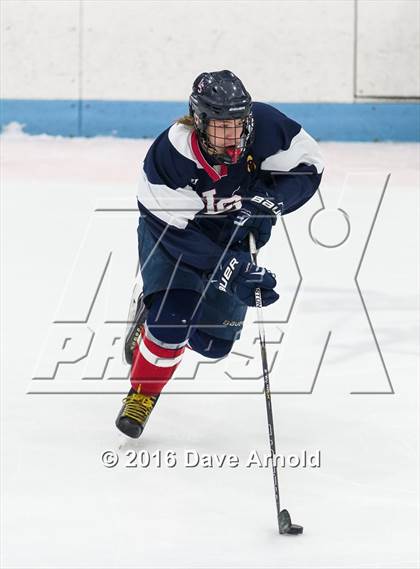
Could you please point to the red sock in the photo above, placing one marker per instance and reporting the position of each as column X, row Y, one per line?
column 153, row 365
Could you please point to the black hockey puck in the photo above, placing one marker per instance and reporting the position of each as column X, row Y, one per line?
column 294, row 529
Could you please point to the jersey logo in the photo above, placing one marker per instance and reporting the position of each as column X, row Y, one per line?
column 250, row 164
column 215, row 206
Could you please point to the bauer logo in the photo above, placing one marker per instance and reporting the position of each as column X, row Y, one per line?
column 227, row 274
column 271, row 206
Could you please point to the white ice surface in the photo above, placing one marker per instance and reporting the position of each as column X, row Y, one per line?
column 62, row 509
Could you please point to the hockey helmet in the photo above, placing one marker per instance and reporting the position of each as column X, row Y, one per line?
column 221, row 96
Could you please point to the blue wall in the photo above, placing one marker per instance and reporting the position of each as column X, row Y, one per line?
column 143, row 119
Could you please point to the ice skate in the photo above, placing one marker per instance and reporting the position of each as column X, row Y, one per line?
column 135, row 413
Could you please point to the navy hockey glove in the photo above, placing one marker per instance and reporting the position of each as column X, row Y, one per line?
column 238, row 276
column 257, row 216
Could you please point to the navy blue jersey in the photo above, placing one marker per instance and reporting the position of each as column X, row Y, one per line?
column 186, row 198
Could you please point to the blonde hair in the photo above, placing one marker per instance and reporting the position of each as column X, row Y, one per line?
column 186, row 120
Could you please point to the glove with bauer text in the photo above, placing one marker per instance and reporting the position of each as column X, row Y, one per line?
column 238, row 276
column 258, row 216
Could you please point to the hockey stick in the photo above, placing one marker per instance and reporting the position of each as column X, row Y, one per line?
column 283, row 517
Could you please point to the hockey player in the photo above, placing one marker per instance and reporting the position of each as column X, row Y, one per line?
column 206, row 183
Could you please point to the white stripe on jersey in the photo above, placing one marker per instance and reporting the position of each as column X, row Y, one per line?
column 303, row 150
column 175, row 207
column 180, row 137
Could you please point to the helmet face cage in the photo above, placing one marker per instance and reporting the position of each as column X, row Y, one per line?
column 225, row 139
column 221, row 109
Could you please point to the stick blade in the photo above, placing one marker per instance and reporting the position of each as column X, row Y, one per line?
column 284, row 521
